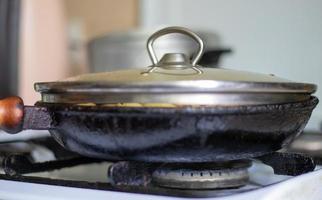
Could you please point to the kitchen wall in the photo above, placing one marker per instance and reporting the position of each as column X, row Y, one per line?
column 283, row 37
column 88, row 19
column 99, row 17
column 42, row 45
column 54, row 35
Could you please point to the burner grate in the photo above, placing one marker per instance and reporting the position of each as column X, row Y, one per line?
column 137, row 177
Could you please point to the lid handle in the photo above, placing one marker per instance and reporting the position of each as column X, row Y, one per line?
column 174, row 29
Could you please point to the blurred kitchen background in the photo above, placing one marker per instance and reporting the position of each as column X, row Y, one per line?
column 47, row 40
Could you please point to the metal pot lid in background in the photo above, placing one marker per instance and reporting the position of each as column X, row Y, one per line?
column 175, row 79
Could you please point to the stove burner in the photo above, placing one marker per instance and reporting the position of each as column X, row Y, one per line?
column 231, row 174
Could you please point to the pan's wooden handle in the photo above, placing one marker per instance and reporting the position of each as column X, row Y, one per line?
column 11, row 114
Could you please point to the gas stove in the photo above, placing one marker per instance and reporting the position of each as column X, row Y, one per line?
column 38, row 168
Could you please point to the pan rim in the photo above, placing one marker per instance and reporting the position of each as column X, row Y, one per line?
column 309, row 105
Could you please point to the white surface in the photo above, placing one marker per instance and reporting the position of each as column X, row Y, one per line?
column 307, row 186
column 24, row 135
column 283, row 37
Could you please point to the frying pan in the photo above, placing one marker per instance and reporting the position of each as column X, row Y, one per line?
column 215, row 114
column 179, row 134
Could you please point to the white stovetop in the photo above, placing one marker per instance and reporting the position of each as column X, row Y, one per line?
column 307, row 186
column 24, row 135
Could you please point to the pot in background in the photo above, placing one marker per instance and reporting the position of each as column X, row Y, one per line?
column 122, row 50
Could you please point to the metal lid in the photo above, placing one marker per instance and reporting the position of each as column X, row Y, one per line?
column 175, row 79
